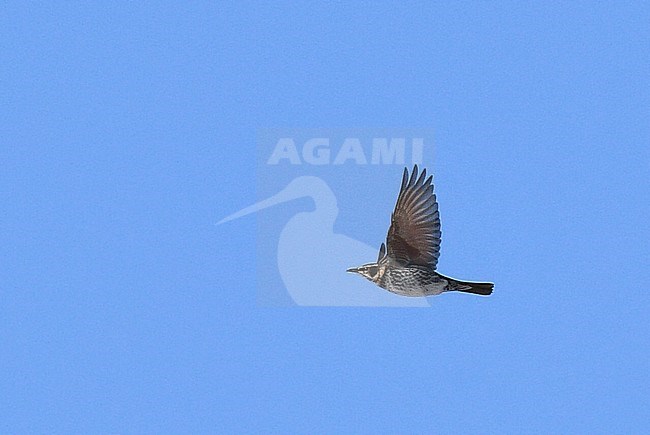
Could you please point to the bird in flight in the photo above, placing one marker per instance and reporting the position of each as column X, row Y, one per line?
column 407, row 262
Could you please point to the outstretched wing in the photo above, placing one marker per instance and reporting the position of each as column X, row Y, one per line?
column 414, row 234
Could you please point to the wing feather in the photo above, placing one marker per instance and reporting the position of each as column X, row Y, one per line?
column 414, row 235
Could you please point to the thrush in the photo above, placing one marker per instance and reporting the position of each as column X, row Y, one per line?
column 407, row 262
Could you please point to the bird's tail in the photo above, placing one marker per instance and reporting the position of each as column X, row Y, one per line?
column 477, row 288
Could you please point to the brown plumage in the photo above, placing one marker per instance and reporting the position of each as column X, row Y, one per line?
column 407, row 263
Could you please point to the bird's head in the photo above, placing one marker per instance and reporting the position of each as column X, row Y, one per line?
column 370, row 271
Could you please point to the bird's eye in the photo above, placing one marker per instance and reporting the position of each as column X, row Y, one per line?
column 372, row 270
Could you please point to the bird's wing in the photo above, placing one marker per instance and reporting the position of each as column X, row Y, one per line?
column 414, row 234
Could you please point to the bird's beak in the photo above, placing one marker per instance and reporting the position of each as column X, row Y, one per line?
column 353, row 270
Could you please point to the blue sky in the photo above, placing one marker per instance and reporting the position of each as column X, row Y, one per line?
column 128, row 130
